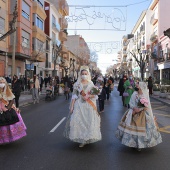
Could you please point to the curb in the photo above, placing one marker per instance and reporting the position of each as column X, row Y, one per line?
column 30, row 101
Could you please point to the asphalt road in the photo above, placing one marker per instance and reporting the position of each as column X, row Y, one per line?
column 51, row 151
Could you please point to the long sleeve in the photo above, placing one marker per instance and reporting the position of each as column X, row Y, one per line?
column 132, row 102
column 75, row 92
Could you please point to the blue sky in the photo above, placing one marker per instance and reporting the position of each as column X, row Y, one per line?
column 131, row 13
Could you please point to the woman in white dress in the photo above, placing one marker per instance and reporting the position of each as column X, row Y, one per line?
column 137, row 127
column 83, row 124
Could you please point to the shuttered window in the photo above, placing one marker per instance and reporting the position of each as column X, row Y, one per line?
column 25, row 39
column 25, row 10
column 2, row 26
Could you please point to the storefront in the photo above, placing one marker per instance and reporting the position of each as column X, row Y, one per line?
column 164, row 68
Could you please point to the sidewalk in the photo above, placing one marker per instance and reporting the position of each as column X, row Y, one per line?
column 26, row 97
column 163, row 100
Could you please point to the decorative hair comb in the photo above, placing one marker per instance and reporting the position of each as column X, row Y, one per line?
column 84, row 68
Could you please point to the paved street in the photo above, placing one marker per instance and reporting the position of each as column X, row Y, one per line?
column 51, row 151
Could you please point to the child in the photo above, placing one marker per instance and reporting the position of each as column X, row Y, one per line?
column 102, row 98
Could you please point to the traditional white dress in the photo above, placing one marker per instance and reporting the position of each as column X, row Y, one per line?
column 83, row 125
column 140, row 130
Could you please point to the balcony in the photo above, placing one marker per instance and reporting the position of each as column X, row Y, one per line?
column 124, row 47
column 125, row 53
column 38, row 33
column 64, row 49
column 63, row 23
column 139, row 36
column 47, row 64
column 153, row 38
column 38, row 56
column 37, row 9
column 56, row 26
column 63, row 7
column 125, row 38
column 62, row 36
column 66, row 56
column 154, row 19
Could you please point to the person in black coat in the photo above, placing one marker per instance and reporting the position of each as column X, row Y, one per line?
column 16, row 89
column 46, row 80
column 121, row 88
column 102, row 98
column 107, row 89
column 150, row 85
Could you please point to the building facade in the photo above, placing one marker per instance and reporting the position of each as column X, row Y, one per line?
column 3, row 43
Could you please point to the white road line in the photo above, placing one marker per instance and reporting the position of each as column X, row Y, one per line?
column 61, row 121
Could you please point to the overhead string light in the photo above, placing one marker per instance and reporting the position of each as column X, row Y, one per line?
column 87, row 17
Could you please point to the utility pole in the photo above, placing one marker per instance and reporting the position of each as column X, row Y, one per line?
column 14, row 40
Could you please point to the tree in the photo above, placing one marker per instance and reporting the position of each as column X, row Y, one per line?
column 56, row 52
column 143, row 55
column 93, row 56
column 11, row 24
column 37, row 51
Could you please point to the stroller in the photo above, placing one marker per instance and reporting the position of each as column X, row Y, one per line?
column 50, row 93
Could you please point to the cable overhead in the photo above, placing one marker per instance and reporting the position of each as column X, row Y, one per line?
column 87, row 6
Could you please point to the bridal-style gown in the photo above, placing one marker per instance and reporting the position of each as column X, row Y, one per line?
column 83, row 125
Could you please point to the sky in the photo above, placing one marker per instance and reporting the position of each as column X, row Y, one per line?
column 117, row 22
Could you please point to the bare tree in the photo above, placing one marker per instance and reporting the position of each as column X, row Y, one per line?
column 11, row 24
column 93, row 56
column 141, row 61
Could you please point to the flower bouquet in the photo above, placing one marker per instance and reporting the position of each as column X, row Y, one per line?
column 95, row 91
column 143, row 102
column 62, row 86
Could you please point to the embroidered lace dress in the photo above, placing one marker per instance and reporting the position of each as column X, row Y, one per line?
column 83, row 125
column 11, row 133
column 140, row 138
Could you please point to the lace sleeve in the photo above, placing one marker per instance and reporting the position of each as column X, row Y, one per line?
column 75, row 94
column 132, row 102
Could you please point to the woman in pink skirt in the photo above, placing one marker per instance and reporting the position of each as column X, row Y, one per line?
column 12, row 126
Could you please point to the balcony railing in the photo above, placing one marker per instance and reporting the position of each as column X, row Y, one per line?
column 153, row 37
column 56, row 26
column 63, row 36
column 63, row 23
column 63, row 7
column 154, row 19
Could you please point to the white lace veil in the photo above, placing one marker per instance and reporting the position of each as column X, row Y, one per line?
column 145, row 92
column 86, row 68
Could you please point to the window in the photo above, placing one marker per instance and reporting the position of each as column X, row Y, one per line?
column 18, row 71
column 25, row 10
column 53, row 37
column 53, row 20
column 2, row 26
column 25, row 39
column 39, row 46
column 40, row 2
column 9, row 69
column 39, row 23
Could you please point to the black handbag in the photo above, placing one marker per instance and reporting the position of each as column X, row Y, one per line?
column 8, row 117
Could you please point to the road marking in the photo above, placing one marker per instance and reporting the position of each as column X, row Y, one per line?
column 165, row 129
column 61, row 121
column 155, row 102
column 162, row 114
column 160, row 107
